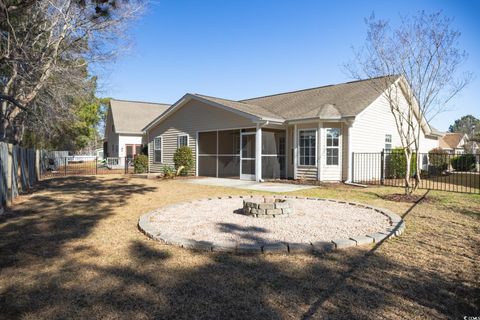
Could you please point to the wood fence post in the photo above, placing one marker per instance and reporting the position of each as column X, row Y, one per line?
column 9, row 173
column 38, row 173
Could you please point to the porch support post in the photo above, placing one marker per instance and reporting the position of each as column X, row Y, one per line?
column 258, row 153
column 319, row 151
column 295, row 154
column 349, row 125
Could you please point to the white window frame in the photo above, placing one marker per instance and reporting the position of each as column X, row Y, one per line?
column 316, row 147
column 155, row 149
column 178, row 140
column 332, row 147
column 390, row 142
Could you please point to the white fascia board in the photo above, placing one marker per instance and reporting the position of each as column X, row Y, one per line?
column 314, row 119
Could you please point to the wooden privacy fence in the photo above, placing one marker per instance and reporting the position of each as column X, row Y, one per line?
column 19, row 171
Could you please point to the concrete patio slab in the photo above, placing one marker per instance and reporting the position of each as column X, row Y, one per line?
column 249, row 185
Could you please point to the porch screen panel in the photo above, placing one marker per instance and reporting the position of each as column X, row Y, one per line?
column 207, row 166
column 228, row 166
column 229, row 154
column 207, row 154
column 273, row 154
column 207, row 143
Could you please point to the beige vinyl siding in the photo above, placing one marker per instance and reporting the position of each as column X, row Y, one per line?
column 368, row 136
column 371, row 126
column 193, row 117
column 306, row 173
column 110, row 135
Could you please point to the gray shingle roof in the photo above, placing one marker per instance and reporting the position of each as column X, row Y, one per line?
column 332, row 101
column 133, row 116
column 326, row 102
column 243, row 107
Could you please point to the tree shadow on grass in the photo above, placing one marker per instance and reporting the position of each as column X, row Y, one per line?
column 239, row 287
column 41, row 226
column 163, row 282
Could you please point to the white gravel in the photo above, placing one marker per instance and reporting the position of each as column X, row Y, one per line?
column 313, row 220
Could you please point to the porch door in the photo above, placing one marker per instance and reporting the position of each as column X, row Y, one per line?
column 247, row 156
column 129, row 151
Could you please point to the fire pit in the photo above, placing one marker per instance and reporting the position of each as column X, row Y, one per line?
column 266, row 207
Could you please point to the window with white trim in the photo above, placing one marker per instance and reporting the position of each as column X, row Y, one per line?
column 333, row 146
column 182, row 140
column 307, row 145
column 388, row 142
column 157, row 150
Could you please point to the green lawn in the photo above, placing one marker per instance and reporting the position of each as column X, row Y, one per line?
column 72, row 250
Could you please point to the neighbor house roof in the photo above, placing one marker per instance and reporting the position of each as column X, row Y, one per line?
column 133, row 116
column 326, row 102
column 451, row 140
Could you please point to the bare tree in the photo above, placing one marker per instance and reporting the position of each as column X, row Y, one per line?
column 45, row 48
column 421, row 60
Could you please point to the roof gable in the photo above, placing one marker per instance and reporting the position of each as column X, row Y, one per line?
column 133, row 116
column 452, row 140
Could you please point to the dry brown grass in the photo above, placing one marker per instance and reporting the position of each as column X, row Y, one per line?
column 72, row 250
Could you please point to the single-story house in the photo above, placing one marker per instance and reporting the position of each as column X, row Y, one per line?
column 453, row 142
column 304, row 134
column 123, row 128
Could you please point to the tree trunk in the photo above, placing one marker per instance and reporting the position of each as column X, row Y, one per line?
column 408, row 184
column 418, row 170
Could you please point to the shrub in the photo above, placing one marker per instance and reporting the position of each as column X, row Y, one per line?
column 438, row 159
column 464, row 162
column 395, row 164
column 168, row 172
column 140, row 163
column 183, row 157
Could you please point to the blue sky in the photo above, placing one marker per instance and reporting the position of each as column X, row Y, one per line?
column 241, row 49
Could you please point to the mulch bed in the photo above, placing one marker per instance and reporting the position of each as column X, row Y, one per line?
column 401, row 197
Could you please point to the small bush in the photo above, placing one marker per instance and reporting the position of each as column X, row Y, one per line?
column 183, row 157
column 464, row 162
column 168, row 172
column 395, row 164
column 438, row 159
column 140, row 163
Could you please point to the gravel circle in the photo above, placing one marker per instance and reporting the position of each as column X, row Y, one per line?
column 216, row 221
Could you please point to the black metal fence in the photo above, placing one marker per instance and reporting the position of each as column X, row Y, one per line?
column 54, row 166
column 438, row 171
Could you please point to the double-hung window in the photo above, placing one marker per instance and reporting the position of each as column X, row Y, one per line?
column 182, row 140
column 157, row 150
column 388, row 142
column 333, row 146
column 307, row 146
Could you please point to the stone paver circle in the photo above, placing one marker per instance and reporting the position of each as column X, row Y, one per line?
column 227, row 224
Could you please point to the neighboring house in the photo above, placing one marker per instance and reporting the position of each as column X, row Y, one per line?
column 99, row 153
column 454, row 142
column 124, row 124
column 305, row 134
